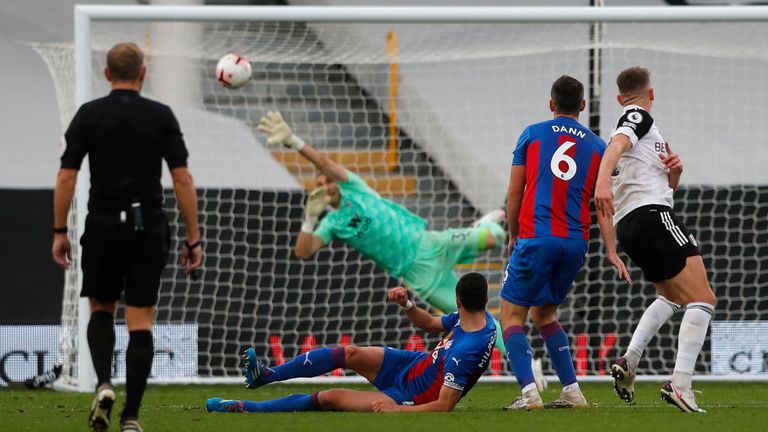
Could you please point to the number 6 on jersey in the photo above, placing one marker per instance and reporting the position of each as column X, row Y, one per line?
column 560, row 156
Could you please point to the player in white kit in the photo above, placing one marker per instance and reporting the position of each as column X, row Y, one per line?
column 635, row 184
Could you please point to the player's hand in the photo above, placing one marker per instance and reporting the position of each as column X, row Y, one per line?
column 398, row 295
column 616, row 261
column 278, row 132
column 381, row 405
column 317, row 202
column 191, row 259
column 604, row 200
column 511, row 245
column 62, row 250
column 671, row 161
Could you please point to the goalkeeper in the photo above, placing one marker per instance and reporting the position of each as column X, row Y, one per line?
column 384, row 231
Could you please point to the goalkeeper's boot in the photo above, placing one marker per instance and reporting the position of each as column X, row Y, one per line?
column 538, row 375
column 224, row 405
column 130, row 425
column 526, row 402
column 569, row 399
column 254, row 370
column 495, row 216
column 684, row 400
column 101, row 408
column 623, row 380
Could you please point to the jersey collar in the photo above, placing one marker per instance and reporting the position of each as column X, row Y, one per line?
column 629, row 107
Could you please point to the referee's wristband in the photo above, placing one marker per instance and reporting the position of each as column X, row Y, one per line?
column 60, row 230
column 408, row 306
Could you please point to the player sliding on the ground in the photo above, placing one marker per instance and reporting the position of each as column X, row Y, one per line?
column 551, row 183
column 407, row 380
column 634, row 191
column 384, row 231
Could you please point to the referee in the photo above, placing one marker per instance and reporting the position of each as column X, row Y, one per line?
column 126, row 239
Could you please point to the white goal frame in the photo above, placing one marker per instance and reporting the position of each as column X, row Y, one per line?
column 85, row 15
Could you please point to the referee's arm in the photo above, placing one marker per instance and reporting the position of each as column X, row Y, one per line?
column 186, row 196
column 62, row 198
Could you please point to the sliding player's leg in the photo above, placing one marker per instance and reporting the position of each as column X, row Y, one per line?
column 326, row 400
column 351, row 400
column 310, row 364
column 364, row 360
column 381, row 367
column 690, row 286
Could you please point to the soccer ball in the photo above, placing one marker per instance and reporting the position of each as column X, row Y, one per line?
column 233, row 71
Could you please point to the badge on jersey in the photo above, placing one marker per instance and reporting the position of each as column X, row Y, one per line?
column 634, row 123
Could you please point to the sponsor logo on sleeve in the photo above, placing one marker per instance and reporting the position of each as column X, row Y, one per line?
column 450, row 382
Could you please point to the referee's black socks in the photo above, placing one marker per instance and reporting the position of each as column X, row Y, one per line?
column 138, row 365
column 101, row 340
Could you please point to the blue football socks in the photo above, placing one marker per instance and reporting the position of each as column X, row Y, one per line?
column 290, row 403
column 519, row 354
column 559, row 350
column 310, row 364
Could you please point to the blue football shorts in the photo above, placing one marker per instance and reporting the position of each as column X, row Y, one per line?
column 392, row 377
column 541, row 270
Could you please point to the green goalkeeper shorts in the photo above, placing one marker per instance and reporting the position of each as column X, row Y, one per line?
column 439, row 251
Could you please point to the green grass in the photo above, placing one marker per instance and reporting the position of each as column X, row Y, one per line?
column 730, row 406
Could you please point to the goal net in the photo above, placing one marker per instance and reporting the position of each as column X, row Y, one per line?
column 429, row 114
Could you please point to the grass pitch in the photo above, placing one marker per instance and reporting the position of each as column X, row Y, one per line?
column 730, row 406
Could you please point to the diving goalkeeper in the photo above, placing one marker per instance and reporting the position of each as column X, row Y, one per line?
column 382, row 230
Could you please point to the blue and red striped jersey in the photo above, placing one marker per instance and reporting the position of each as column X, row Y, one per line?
column 561, row 159
column 457, row 362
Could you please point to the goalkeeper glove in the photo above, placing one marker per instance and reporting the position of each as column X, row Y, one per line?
column 278, row 131
column 316, row 203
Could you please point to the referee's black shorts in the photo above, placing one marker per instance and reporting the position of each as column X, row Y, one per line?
column 117, row 258
column 656, row 240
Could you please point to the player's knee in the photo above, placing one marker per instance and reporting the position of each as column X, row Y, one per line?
column 710, row 298
column 351, row 353
column 328, row 399
column 542, row 318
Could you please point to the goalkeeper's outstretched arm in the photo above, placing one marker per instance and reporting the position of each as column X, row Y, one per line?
column 308, row 243
column 278, row 132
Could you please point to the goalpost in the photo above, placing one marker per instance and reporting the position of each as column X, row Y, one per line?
column 426, row 103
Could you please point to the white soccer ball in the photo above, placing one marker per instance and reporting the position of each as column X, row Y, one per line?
column 233, row 71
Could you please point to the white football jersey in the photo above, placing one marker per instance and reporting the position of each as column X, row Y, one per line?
column 640, row 178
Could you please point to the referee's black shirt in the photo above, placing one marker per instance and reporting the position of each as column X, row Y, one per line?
column 126, row 137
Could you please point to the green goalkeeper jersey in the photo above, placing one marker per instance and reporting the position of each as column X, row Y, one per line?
column 382, row 230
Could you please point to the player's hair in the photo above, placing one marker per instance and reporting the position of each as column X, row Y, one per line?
column 567, row 94
column 633, row 80
column 124, row 62
column 472, row 291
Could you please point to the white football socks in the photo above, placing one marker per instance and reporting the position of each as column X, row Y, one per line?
column 653, row 318
column 693, row 331
column 571, row 387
